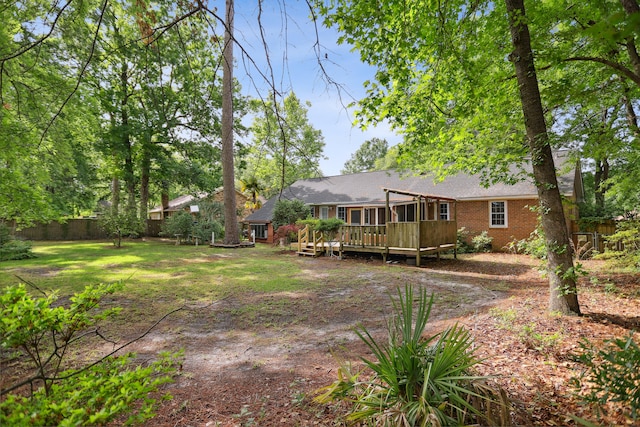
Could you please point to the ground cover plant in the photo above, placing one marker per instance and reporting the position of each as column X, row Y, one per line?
column 43, row 384
column 417, row 380
column 261, row 327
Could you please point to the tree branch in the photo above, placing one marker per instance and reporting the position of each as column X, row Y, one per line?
column 616, row 66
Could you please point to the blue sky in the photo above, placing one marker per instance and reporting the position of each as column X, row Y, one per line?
column 291, row 50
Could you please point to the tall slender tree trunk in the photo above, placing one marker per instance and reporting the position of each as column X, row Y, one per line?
column 145, row 172
column 601, row 176
column 231, row 234
column 562, row 278
column 129, row 176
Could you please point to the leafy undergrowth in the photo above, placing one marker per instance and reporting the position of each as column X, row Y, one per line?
column 256, row 355
column 531, row 354
column 534, row 353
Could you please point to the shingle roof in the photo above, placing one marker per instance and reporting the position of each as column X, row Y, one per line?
column 179, row 203
column 368, row 188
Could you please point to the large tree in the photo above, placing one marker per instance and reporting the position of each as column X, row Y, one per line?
column 365, row 157
column 46, row 154
column 149, row 71
column 446, row 79
column 286, row 147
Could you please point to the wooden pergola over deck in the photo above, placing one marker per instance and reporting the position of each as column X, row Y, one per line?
column 416, row 238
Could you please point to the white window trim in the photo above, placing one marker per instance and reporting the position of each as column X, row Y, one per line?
column 448, row 218
column 344, row 211
column 506, row 214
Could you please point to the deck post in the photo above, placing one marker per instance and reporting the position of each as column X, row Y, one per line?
column 387, row 219
column 455, row 218
column 419, row 217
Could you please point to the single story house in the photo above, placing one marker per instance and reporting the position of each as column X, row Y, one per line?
column 504, row 211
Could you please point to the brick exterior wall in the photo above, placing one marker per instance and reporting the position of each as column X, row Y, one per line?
column 241, row 199
column 521, row 221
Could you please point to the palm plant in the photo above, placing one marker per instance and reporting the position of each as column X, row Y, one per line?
column 417, row 381
column 253, row 187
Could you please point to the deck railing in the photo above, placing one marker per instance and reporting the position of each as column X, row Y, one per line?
column 303, row 238
column 399, row 234
column 363, row 235
column 307, row 236
column 393, row 234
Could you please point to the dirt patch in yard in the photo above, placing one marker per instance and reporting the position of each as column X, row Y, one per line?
column 257, row 361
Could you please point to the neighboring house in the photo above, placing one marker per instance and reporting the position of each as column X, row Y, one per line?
column 504, row 211
column 189, row 203
column 182, row 203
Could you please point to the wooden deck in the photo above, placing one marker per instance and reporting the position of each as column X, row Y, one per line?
column 391, row 239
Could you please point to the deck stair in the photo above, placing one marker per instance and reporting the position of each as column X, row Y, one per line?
column 310, row 242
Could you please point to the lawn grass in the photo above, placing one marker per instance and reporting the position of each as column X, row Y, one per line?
column 155, row 267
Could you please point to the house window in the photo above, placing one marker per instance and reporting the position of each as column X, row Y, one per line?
column 356, row 215
column 370, row 216
column 324, row 212
column 411, row 213
column 312, row 211
column 382, row 217
column 444, row 211
column 261, row 230
column 498, row 214
column 342, row 213
column 406, row 213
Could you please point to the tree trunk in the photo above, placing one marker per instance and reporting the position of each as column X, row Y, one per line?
column 164, row 197
column 601, row 176
column 562, row 278
column 145, row 171
column 126, row 141
column 632, row 117
column 231, row 235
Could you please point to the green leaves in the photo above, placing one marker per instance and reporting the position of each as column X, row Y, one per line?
column 417, row 380
column 288, row 212
column 365, row 157
column 45, row 332
column 611, row 375
column 285, row 146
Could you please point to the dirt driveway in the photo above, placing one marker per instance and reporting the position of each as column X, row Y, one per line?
column 258, row 361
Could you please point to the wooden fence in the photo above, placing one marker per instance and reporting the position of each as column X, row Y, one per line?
column 77, row 229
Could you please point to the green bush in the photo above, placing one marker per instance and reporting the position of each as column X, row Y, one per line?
column 5, row 233
column 12, row 249
column 612, row 375
column 416, row 381
column 462, row 237
column 289, row 212
column 203, row 229
column 210, row 219
column 39, row 334
column 623, row 247
column 119, row 225
column 329, row 227
column 535, row 245
column 179, row 223
column 482, row 242
column 16, row 250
